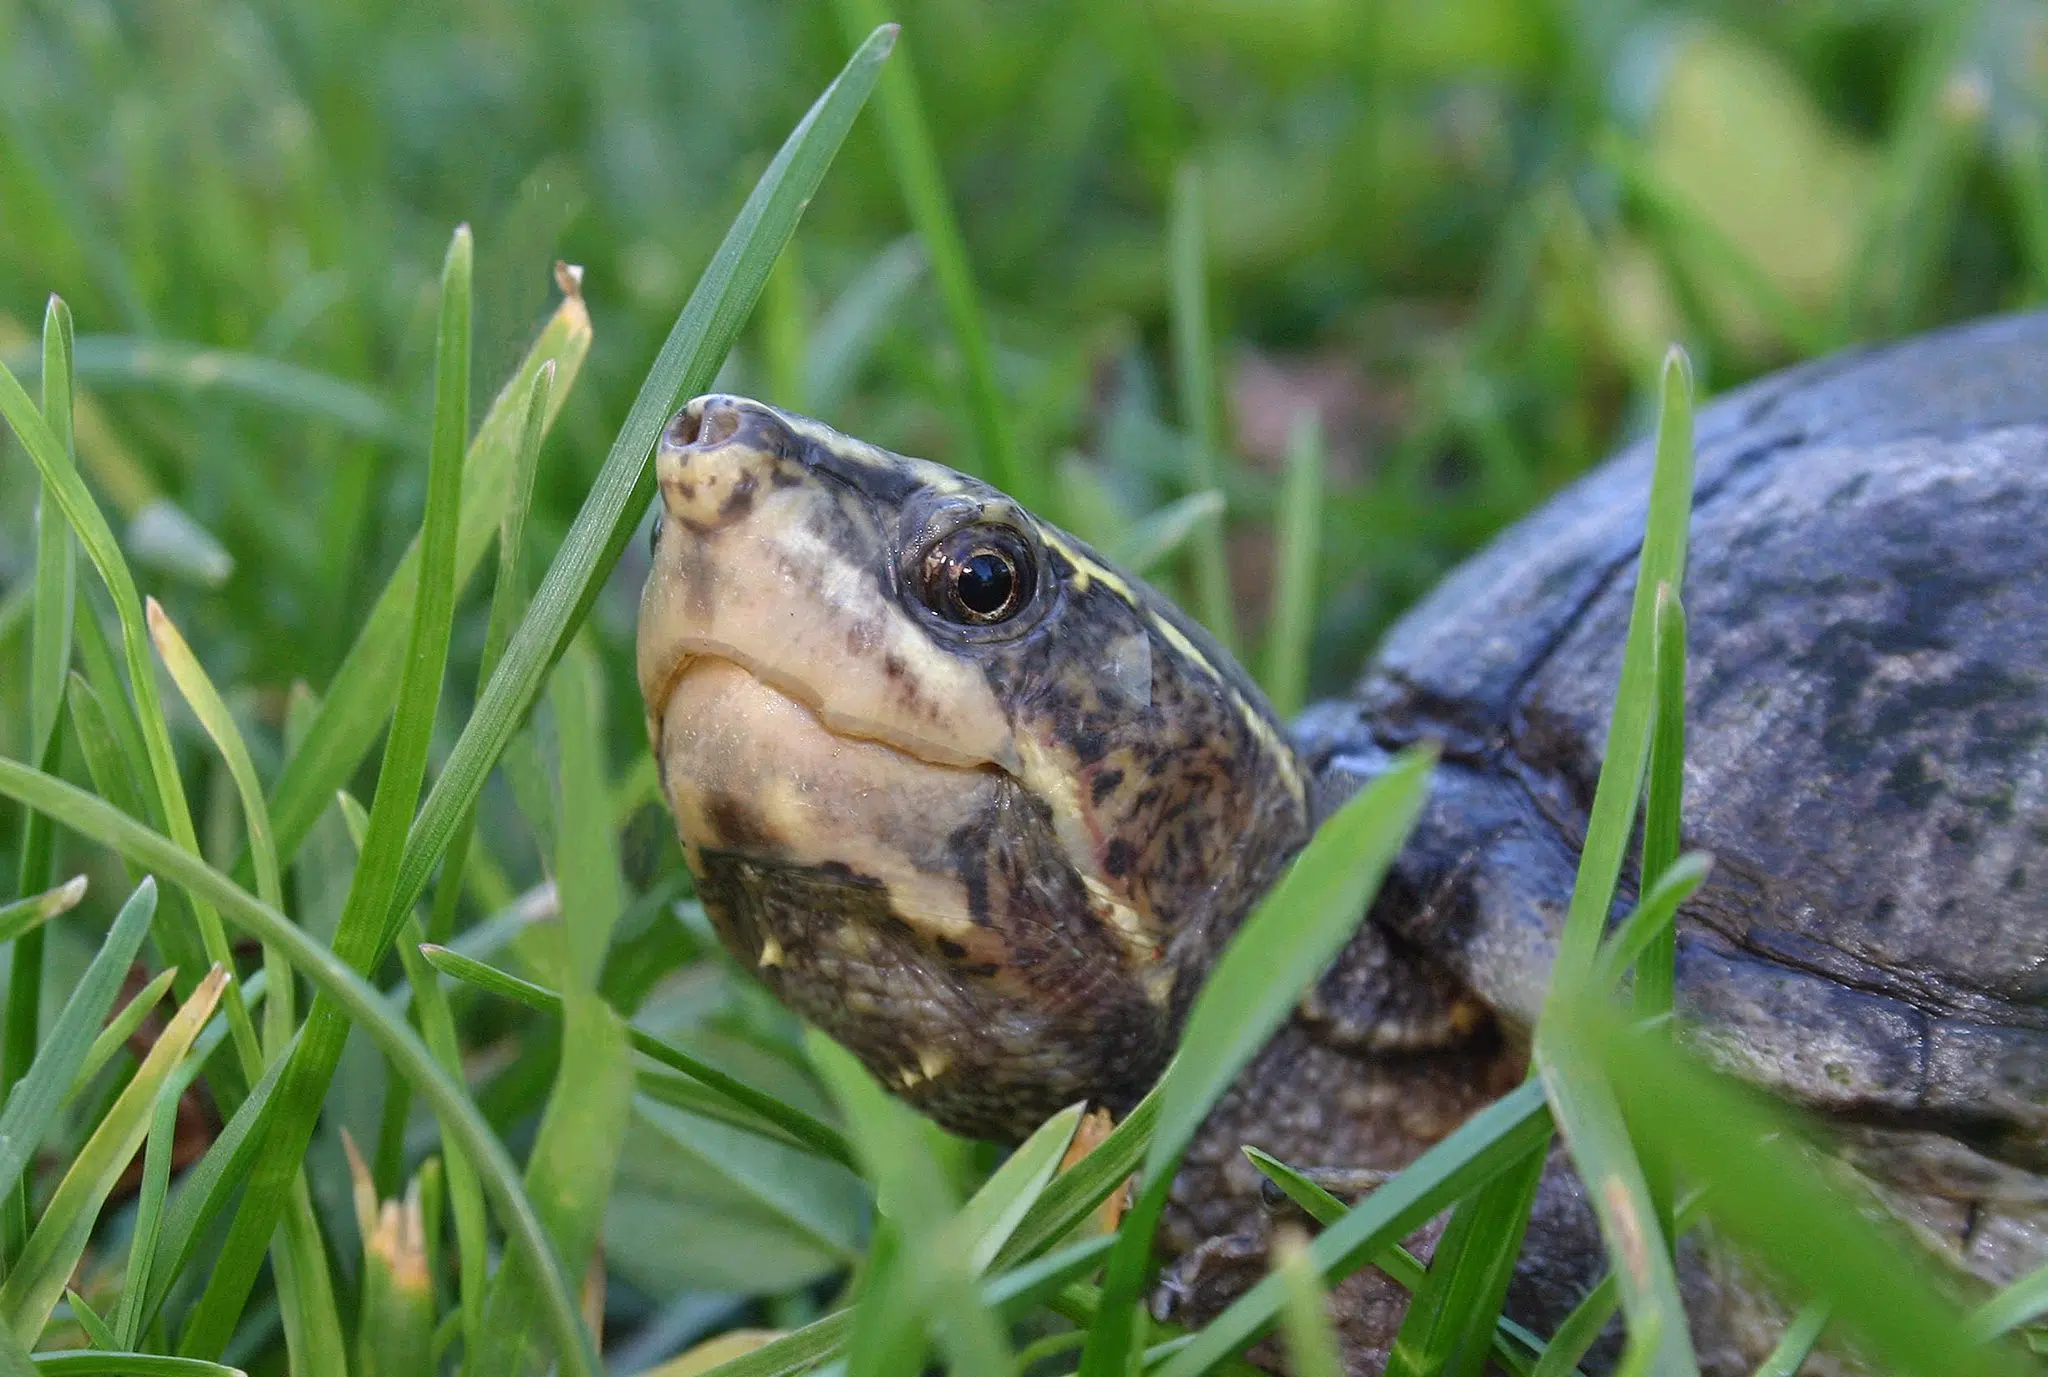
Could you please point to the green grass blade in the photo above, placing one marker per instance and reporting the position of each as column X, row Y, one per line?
column 1767, row 1193
column 90, row 526
column 1472, row 1154
column 55, row 584
column 1628, row 735
column 915, row 162
column 1288, row 940
column 119, row 1029
column 105, row 761
column 1512, row 1345
column 2023, row 1301
column 364, row 1006
column 1789, row 1354
column 94, row 1363
column 26, row 915
column 689, row 359
column 96, row 656
column 149, row 1217
column 1631, row 1211
column 1662, row 795
column 465, row 1193
column 1297, row 539
column 89, row 1320
column 358, row 939
column 1580, row 1330
column 812, row 1133
column 928, row 1277
column 1588, row 1113
column 203, row 1192
column 32, row 1106
column 1454, row 1313
column 358, row 699
column 1639, row 937
column 14, row 1357
column 212, row 711
column 31, row 1290
column 56, row 569
column 992, row 1214
column 1326, row 1208
column 682, row 1092
column 1304, row 1316
column 146, row 1243
column 1201, row 408
column 1075, row 1193
column 583, row 1126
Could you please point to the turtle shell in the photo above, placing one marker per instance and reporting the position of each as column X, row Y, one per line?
column 1867, row 754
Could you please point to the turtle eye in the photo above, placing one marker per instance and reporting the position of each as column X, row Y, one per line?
column 979, row 575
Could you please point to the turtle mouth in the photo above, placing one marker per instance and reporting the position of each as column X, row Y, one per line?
column 754, row 771
column 696, row 658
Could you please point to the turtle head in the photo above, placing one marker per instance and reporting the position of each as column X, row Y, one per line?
column 972, row 801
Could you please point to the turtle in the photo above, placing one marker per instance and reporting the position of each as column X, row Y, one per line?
column 985, row 808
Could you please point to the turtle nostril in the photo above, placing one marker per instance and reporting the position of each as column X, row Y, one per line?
column 705, row 422
column 682, row 428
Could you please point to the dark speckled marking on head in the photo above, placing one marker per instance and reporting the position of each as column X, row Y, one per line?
column 1056, row 819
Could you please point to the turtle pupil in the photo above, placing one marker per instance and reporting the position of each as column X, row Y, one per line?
column 985, row 582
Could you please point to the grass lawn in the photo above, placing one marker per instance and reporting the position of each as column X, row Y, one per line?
column 323, row 505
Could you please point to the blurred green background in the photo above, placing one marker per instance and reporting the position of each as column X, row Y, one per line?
column 1462, row 232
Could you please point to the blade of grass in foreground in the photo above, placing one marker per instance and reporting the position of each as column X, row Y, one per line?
column 37, row 1280
column 1305, row 1319
column 1767, row 1193
column 1627, row 748
column 1588, row 1113
column 688, row 361
column 366, row 1007
column 1633, row 1213
column 1076, row 1192
column 2019, row 1303
column 923, row 1274
column 994, row 1212
column 356, row 938
column 1286, row 942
